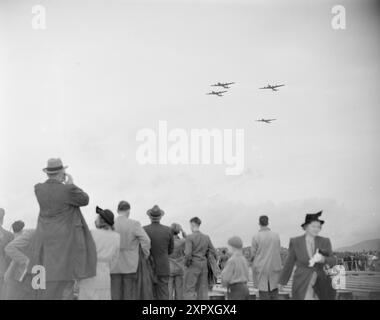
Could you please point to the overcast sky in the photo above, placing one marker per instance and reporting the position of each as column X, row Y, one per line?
column 102, row 70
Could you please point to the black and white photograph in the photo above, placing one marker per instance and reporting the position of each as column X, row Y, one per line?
column 195, row 150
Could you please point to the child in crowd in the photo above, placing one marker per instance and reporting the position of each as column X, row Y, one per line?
column 235, row 273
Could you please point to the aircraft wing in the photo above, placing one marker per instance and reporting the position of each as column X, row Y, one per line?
column 279, row 85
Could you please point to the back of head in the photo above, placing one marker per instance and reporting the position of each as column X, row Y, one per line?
column 194, row 224
column 176, row 228
column 264, row 221
column 196, row 221
column 18, row 226
column 123, row 206
column 236, row 242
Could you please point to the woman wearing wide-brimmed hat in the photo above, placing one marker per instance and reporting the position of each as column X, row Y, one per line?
column 107, row 243
column 309, row 253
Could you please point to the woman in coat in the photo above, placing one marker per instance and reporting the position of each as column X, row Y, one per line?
column 107, row 243
column 309, row 253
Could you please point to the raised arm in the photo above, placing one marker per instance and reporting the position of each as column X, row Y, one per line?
column 77, row 197
column 14, row 248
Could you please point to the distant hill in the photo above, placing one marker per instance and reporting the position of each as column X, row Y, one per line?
column 368, row 245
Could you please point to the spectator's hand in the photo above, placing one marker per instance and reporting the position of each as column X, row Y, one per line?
column 318, row 258
column 69, row 179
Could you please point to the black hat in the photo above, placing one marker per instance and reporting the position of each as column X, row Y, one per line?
column 106, row 214
column 155, row 212
column 310, row 217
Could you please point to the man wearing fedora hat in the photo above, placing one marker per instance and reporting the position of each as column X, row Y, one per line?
column 162, row 244
column 63, row 243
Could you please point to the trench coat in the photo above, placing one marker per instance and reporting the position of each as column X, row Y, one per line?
column 63, row 244
column 298, row 256
column 266, row 267
column 107, row 247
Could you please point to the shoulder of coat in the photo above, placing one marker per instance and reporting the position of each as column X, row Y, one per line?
column 324, row 239
column 38, row 185
column 297, row 239
column 135, row 222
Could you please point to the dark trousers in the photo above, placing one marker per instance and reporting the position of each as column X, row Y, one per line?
column 196, row 281
column 161, row 288
column 238, row 291
column 269, row 295
column 123, row 286
column 176, row 287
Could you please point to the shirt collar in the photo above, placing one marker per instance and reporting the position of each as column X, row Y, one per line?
column 237, row 253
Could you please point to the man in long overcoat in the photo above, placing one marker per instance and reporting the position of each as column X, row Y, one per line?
column 266, row 266
column 62, row 244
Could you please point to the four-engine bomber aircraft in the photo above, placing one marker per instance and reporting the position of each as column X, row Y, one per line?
column 217, row 93
column 273, row 87
column 224, row 85
column 266, row 120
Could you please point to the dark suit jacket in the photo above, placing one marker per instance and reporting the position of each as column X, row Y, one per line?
column 298, row 256
column 162, row 244
column 63, row 243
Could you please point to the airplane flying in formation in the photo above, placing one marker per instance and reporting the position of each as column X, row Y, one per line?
column 217, row 93
column 224, row 85
column 273, row 87
column 266, row 120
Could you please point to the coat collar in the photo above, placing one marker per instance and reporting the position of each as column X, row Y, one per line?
column 52, row 181
column 316, row 244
